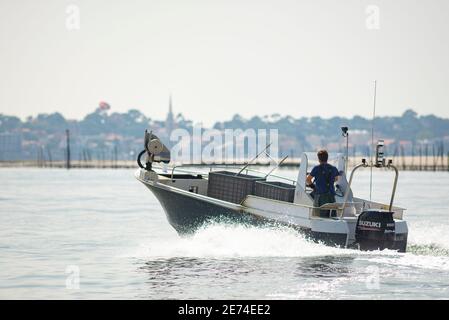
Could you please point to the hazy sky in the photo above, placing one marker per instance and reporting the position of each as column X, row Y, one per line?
column 218, row 58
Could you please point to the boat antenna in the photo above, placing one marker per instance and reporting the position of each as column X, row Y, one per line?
column 372, row 142
column 345, row 134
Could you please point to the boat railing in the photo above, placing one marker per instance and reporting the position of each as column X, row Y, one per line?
column 182, row 168
column 371, row 165
column 248, row 170
column 337, row 207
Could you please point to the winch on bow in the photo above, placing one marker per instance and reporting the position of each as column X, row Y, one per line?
column 155, row 151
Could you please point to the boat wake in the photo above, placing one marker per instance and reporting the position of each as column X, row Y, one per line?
column 226, row 240
column 231, row 240
column 428, row 238
column 431, row 249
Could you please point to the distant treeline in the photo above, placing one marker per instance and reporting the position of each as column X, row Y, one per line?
column 408, row 127
column 119, row 135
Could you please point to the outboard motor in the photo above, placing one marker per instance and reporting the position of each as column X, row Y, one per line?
column 375, row 230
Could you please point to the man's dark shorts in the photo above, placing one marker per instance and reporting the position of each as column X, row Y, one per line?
column 321, row 199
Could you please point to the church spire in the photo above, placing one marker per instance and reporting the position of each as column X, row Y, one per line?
column 170, row 121
column 170, row 107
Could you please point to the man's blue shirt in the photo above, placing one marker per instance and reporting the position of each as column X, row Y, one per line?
column 324, row 175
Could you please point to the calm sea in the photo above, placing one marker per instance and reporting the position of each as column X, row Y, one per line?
column 100, row 234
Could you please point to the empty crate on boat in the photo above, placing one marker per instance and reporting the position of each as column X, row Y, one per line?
column 275, row 190
column 228, row 186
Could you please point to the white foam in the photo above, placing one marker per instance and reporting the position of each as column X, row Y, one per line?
column 410, row 260
column 234, row 240
column 229, row 240
column 426, row 233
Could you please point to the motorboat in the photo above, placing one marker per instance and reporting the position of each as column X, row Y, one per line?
column 192, row 197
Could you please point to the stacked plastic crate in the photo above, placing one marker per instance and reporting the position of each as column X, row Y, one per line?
column 229, row 186
column 275, row 190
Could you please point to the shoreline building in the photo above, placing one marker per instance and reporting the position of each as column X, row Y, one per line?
column 10, row 147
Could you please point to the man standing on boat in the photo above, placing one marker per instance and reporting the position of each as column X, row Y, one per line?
column 325, row 175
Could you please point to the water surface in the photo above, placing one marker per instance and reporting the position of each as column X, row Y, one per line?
column 108, row 228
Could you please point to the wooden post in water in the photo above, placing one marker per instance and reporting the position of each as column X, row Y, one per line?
column 115, row 155
column 44, row 164
column 49, row 157
column 447, row 161
column 395, row 153
column 103, row 159
column 353, row 162
column 426, row 151
column 434, row 158
column 420, row 157
column 98, row 156
column 80, row 159
column 403, row 157
column 85, row 158
column 67, row 133
column 38, row 155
